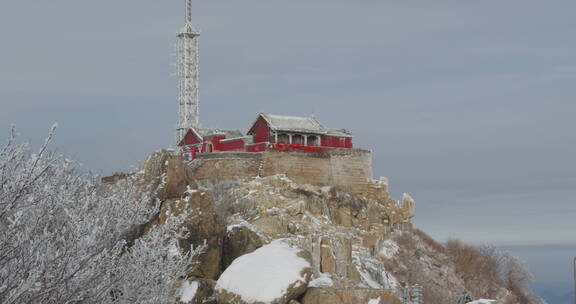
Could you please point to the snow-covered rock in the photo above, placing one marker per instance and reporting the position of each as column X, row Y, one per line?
column 196, row 291
column 273, row 274
column 188, row 291
column 324, row 280
column 239, row 240
column 484, row 301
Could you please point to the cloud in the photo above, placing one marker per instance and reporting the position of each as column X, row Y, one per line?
column 458, row 99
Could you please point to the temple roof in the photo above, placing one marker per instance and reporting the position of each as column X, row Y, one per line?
column 338, row 132
column 300, row 125
column 206, row 132
column 294, row 124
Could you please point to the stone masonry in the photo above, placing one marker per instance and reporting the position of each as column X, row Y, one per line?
column 347, row 169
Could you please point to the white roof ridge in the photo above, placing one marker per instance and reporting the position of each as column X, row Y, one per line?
column 293, row 122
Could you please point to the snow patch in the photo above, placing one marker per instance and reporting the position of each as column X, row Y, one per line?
column 188, row 291
column 482, row 301
column 257, row 181
column 324, row 280
column 265, row 274
column 188, row 193
column 242, row 223
column 367, row 279
column 190, row 190
column 389, row 248
column 407, row 198
column 374, row 301
column 283, row 177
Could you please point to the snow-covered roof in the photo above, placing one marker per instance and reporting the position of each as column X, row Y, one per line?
column 206, row 132
column 202, row 133
column 294, row 123
column 339, row 132
column 299, row 124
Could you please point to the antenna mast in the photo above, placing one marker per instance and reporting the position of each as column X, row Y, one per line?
column 189, row 11
column 187, row 53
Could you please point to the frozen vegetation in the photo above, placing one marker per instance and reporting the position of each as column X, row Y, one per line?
column 66, row 238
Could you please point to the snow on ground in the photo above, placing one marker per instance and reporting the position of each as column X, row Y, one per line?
column 388, row 249
column 265, row 274
column 367, row 279
column 188, row 193
column 324, row 280
column 188, row 291
column 482, row 301
column 240, row 222
column 374, row 301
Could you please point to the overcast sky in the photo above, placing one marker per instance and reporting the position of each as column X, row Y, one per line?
column 468, row 105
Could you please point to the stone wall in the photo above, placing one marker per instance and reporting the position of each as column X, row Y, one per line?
column 222, row 166
column 347, row 169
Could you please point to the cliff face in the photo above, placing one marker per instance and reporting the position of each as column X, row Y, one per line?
column 358, row 240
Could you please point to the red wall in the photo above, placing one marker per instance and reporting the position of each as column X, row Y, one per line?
column 194, row 151
column 191, row 139
column 326, row 141
column 190, row 152
column 348, row 143
column 230, row 145
column 261, row 131
column 336, row 142
column 216, row 145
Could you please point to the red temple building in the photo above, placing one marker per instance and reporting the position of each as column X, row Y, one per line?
column 283, row 133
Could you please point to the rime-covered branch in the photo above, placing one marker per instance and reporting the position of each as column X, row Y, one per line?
column 64, row 235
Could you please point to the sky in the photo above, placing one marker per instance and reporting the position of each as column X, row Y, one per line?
column 467, row 105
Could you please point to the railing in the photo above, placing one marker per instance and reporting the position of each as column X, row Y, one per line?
column 282, row 147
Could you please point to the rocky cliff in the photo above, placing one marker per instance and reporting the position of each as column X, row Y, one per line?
column 275, row 236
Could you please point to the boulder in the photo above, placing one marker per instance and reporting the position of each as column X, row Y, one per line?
column 239, row 240
column 273, row 274
column 204, row 227
column 197, row 291
column 177, row 180
column 174, row 170
column 328, row 295
column 408, row 206
column 327, row 256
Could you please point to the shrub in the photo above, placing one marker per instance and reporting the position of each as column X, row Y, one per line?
column 64, row 235
column 485, row 270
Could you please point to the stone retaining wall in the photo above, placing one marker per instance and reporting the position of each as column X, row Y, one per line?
column 222, row 166
column 347, row 169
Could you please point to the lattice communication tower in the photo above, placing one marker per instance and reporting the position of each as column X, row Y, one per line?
column 187, row 71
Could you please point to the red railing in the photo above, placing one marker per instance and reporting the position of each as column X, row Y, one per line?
column 281, row 147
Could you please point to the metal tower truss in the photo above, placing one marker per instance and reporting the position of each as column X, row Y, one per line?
column 187, row 72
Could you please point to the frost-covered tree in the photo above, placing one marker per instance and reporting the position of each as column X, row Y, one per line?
column 66, row 238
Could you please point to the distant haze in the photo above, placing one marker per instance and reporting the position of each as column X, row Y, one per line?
column 468, row 105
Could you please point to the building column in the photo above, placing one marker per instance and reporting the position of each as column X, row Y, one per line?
column 290, row 138
column 276, row 137
column 305, row 140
